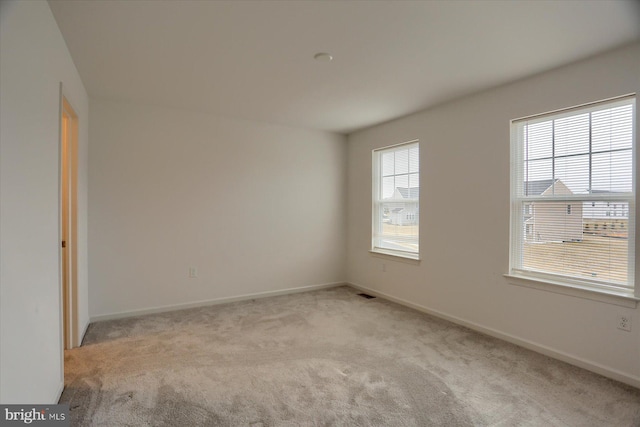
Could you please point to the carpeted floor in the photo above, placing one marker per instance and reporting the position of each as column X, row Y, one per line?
column 324, row 358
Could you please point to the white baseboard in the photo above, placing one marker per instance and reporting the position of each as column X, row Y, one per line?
column 538, row 348
column 59, row 393
column 215, row 301
column 83, row 333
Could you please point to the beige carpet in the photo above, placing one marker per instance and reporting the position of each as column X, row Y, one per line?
column 325, row 358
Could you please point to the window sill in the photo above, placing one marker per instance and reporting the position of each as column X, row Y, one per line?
column 578, row 291
column 396, row 256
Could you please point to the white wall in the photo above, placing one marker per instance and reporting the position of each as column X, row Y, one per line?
column 33, row 61
column 255, row 207
column 464, row 230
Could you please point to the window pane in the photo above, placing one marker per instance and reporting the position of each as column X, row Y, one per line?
column 586, row 240
column 388, row 160
column 388, row 187
column 538, row 140
column 612, row 172
column 402, row 183
column 573, row 173
column 400, row 227
column 538, row 176
column 571, row 135
column 414, row 159
column 402, row 161
column 414, row 184
column 539, row 169
column 612, row 128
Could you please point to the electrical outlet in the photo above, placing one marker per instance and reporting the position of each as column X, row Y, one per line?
column 624, row 322
column 193, row 272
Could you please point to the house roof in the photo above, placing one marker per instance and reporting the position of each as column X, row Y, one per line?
column 536, row 188
column 409, row 192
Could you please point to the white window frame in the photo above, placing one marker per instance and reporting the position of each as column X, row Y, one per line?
column 376, row 221
column 628, row 295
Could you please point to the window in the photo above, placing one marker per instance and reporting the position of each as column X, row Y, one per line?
column 569, row 169
column 396, row 200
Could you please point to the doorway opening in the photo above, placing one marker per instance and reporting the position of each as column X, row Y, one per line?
column 69, row 222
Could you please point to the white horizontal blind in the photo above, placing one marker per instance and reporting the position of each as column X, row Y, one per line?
column 573, row 198
column 396, row 199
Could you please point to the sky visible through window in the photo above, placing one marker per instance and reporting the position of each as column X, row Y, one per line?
column 400, row 169
column 589, row 152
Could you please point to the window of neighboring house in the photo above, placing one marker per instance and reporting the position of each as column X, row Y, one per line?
column 396, row 200
column 527, row 207
column 576, row 162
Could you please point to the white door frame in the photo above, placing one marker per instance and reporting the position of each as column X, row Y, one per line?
column 68, row 199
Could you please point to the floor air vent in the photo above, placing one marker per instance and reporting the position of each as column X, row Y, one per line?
column 367, row 296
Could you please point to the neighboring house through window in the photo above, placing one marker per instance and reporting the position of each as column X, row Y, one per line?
column 396, row 200
column 573, row 197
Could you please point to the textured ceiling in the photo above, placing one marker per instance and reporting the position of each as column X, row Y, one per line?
column 254, row 59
